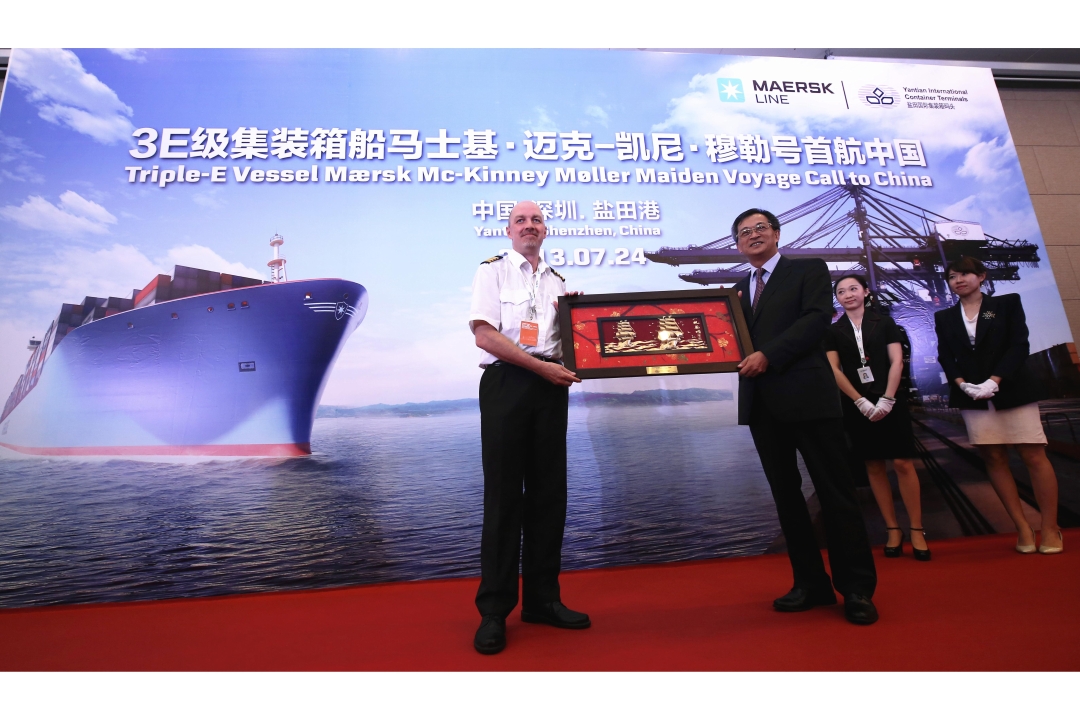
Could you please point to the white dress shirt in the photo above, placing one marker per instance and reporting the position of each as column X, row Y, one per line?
column 768, row 267
column 501, row 297
column 970, row 325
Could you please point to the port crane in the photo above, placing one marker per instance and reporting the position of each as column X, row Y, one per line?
column 900, row 247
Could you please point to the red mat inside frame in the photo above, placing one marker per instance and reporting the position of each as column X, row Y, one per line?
column 977, row 606
column 719, row 327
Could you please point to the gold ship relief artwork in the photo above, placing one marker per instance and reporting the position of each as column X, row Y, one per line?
column 648, row 335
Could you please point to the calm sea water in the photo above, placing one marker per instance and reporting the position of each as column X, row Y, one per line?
column 382, row 499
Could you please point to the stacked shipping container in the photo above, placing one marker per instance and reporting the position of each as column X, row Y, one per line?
column 188, row 281
column 185, row 282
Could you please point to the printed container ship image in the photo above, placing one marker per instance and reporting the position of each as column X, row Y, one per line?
column 196, row 364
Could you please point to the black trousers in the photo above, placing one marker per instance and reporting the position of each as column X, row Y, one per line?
column 824, row 450
column 523, row 432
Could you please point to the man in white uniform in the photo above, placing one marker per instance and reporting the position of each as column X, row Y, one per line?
column 523, row 407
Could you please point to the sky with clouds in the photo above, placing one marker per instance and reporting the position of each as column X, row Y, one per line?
column 71, row 224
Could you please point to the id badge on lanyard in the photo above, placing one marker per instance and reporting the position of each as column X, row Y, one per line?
column 865, row 374
column 529, row 334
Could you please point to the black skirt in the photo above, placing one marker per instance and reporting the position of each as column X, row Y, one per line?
column 887, row 439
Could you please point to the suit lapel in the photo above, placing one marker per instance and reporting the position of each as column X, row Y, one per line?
column 773, row 284
column 986, row 318
column 869, row 325
column 847, row 329
column 748, row 313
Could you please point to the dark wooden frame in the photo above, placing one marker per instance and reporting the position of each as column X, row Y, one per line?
column 566, row 302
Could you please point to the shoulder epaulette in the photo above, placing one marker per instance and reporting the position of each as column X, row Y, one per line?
column 493, row 259
column 556, row 274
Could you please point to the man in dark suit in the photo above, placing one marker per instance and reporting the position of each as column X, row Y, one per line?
column 788, row 397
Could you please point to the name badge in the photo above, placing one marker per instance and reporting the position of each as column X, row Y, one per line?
column 865, row 375
column 530, row 333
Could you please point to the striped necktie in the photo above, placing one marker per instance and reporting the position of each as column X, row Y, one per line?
column 760, row 275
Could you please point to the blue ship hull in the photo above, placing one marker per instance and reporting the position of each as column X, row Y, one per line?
column 191, row 376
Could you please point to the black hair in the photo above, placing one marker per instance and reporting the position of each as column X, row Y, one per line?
column 852, row 276
column 773, row 221
column 862, row 281
column 965, row 264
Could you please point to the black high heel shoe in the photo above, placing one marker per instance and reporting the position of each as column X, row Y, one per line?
column 920, row 554
column 892, row 551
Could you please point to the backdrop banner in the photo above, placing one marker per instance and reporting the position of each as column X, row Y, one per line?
column 245, row 280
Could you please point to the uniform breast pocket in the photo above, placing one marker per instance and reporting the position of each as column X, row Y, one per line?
column 515, row 306
column 514, row 296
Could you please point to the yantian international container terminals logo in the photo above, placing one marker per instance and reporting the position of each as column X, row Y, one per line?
column 878, row 96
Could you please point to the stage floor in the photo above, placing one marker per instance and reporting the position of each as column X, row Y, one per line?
column 976, row 606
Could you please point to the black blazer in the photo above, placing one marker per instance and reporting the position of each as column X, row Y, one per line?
column 1001, row 347
column 879, row 332
column 793, row 313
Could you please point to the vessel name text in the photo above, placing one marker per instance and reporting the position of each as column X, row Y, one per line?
column 163, row 177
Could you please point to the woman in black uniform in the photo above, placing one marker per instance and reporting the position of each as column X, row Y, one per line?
column 982, row 346
column 867, row 360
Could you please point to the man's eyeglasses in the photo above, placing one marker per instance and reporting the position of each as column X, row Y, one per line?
column 759, row 228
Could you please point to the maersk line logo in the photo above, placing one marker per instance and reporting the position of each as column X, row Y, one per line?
column 730, row 90
column 340, row 309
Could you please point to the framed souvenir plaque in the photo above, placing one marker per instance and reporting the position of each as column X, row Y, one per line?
column 653, row 333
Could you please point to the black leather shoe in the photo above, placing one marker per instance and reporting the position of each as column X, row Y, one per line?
column 557, row 614
column 800, row 599
column 491, row 635
column 860, row 610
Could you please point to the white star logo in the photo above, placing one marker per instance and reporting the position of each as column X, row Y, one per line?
column 731, row 90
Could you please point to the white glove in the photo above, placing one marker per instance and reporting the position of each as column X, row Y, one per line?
column 884, row 407
column 987, row 390
column 865, row 406
column 983, row 391
column 971, row 390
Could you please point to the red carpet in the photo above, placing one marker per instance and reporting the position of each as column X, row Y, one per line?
column 977, row 606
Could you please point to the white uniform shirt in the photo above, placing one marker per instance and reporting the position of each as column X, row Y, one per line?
column 501, row 298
